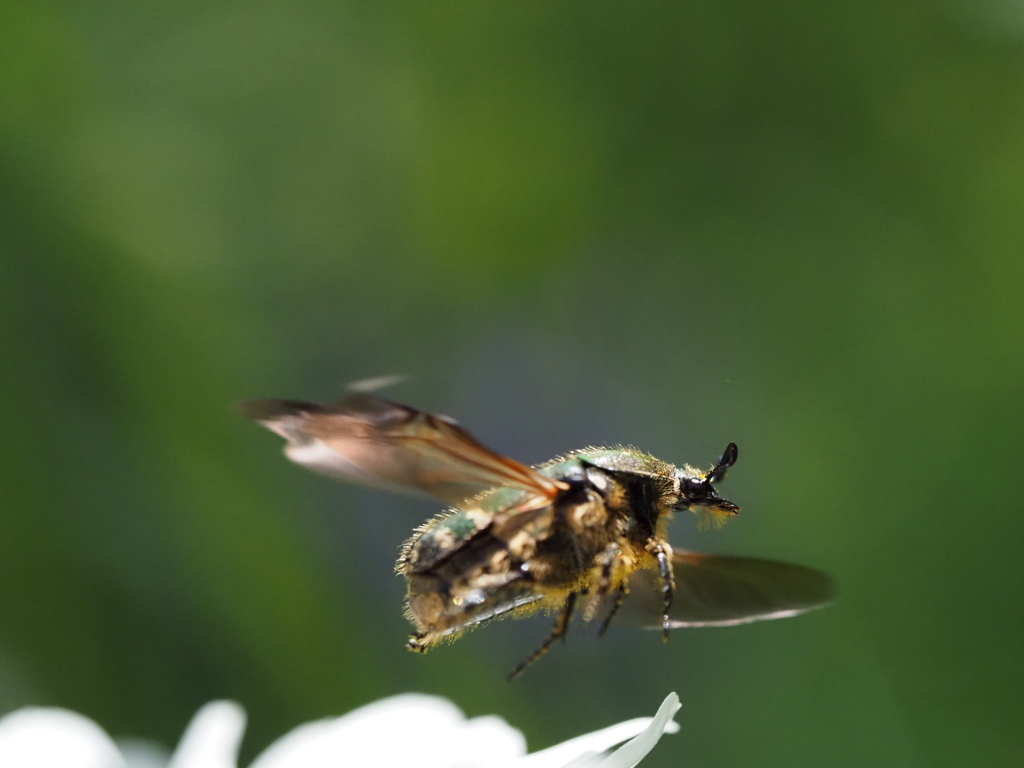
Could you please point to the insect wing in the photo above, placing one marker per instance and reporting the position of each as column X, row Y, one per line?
column 721, row 591
column 377, row 442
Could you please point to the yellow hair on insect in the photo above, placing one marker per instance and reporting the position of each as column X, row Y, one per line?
column 712, row 517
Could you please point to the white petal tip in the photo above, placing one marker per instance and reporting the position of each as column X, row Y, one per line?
column 212, row 739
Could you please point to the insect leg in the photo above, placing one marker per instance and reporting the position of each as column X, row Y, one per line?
column 604, row 582
column 657, row 549
column 559, row 630
column 620, row 595
column 420, row 642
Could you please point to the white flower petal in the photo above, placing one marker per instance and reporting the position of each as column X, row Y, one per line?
column 37, row 737
column 212, row 738
column 142, row 753
column 586, row 760
column 409, row 729
column 588, row 744
column 634, row 751
column 587, row 749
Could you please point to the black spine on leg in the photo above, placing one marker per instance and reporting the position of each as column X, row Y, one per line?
column 559, row 630
column 604, row 582
column 665, row 567
column 620, row 595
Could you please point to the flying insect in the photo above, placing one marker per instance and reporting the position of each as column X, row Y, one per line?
column 580, row 531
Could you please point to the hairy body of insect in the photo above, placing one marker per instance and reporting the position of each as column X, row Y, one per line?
column 609, row 521
column 580, row 528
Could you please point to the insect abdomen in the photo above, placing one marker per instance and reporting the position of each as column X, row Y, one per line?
column 467, row 585
column 440, row 538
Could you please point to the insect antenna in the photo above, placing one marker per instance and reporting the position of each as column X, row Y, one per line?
column 559, row 630
column 717, row 473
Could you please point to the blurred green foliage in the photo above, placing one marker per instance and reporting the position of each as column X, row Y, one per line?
column 793, row 225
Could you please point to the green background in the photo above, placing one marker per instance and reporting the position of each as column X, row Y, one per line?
column 796, row 225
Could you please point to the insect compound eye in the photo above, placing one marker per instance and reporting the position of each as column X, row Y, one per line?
column 690, row 489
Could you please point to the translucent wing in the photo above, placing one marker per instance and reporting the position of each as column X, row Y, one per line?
column 720, row 591
column 373, row 441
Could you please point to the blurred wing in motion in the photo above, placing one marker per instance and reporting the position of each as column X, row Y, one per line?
column 373, row 441
column 721, row 591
